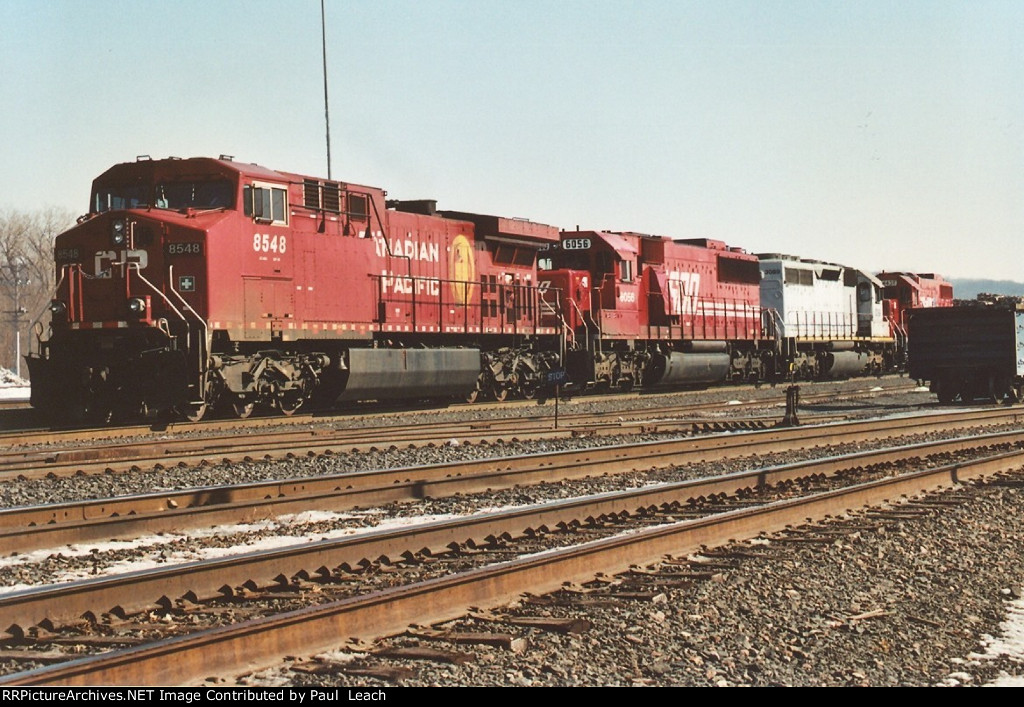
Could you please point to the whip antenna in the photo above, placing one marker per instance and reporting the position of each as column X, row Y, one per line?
column 327, row 113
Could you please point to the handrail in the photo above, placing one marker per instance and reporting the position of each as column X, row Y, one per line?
column 153, row 287
column 205, row 340
column 39, row 317
column 586, row 326
column 777, row 325
column 519, row 304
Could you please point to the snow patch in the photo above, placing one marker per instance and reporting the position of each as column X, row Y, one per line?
column 9, row 380
column 13, row 387
column 1009, row 644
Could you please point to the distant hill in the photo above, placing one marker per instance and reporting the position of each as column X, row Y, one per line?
column 970, row 289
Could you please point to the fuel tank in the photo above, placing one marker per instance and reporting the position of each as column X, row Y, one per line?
column 381, row 374
column 687, row 368
column 843, row 364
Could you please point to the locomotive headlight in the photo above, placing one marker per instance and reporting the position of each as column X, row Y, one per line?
column 118, row 232
column 137, row 306
column 58, row 309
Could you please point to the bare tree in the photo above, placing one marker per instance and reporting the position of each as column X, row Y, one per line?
column 26, row 274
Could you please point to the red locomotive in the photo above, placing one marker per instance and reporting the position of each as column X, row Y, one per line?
column 903, row 291
column 651, row 310
column 202, row 282
column 206, row 282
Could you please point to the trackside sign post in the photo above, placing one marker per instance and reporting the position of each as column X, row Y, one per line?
column 558, row 377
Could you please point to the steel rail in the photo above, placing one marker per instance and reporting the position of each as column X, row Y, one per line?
column 204, row 452
column 707, row 448
column 260, row 643
column 103, row 434
column 20, row 527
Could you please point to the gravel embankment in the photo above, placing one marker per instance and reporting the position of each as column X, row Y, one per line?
column 909, row 603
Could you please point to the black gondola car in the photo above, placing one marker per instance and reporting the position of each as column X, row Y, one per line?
column 967, row 353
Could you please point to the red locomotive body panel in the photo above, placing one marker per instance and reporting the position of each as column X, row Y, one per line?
column 657, row 310
column 702, row 290
column 300, row 270
column 647, row 287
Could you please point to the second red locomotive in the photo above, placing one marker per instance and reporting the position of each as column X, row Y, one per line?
column 904, row 291
column 648, row 310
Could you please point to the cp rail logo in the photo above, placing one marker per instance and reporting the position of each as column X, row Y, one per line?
column 106, row 260
column 462, row 270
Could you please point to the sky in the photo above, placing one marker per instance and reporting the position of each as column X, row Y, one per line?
column 880, row 135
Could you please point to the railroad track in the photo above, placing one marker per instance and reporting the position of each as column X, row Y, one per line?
column 59, row 459
column 103, row 436
column 29, row 528
column 391, row 609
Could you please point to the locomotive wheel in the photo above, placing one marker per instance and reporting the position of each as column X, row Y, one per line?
column 195, row 413
column 80, row 413
column 473, row 395
column 100, row 415
column 289, row 404
column 500, row 393
column 243, row 409
column 528, row 383
column 945, row 392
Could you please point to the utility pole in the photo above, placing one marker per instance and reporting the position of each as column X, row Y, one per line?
column 14, row 274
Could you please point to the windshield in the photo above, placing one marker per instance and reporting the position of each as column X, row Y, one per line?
column 116, row 198
column 194, row 195
column 191, row 194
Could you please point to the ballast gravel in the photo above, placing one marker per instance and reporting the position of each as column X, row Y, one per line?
column 905, row 603
column 900, row 603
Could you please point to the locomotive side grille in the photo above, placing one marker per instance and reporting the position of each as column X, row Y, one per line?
column 311, row 194
column 332, row 197
column 322, row 196
column 357, row 205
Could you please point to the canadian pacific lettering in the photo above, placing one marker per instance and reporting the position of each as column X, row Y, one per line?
column 407, row 248
column 426, row 286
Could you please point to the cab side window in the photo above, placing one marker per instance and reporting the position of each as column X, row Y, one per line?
column 266, row 203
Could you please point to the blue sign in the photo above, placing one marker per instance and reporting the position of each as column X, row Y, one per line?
column 557, row 376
